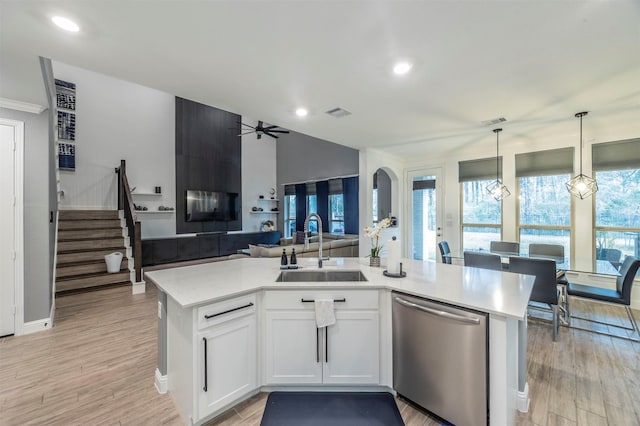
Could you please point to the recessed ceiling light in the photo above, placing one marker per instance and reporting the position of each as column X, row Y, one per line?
column 302, row 112
column 66, row 24
column 402, row 68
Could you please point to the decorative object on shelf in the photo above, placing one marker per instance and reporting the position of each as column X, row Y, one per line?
column 497, row 189
column 261, row 197
column 275, row 209
column 272, row 193
column 254, row 209
column 267, row 226
column 140, row 208
column 374, row 234
column 66, row 156
column 165, row 209
column 582, row 186
column 158, row 190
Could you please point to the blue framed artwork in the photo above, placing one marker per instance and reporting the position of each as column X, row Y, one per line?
column 66, row 156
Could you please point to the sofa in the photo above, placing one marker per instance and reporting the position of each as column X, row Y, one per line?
column 333, row 245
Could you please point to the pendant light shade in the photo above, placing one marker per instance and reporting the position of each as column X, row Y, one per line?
column 581, row 186
column 496, row 188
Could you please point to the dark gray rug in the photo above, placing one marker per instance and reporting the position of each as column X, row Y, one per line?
column 331, row 408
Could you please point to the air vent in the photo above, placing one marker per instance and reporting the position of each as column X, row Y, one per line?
column 493, row 121
column 338, row 112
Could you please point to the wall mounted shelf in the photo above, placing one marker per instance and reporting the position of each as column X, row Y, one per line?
column 153, row 194
column 154, row 211
column 264, row 212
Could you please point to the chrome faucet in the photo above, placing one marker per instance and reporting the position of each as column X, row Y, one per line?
column 306, row 236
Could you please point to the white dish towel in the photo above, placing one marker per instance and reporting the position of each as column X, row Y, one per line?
column 324, row 312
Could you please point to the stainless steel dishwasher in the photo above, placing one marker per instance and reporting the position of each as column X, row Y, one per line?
column 440, row 359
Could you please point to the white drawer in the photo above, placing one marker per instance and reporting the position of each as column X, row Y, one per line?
column 303, row 299
column 227, row 310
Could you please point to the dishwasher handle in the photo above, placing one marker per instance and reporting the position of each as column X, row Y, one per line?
column 438, row 312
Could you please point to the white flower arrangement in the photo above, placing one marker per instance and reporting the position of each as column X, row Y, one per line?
column 374, row 234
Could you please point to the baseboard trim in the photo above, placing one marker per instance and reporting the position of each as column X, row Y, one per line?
column 35, row 326
column 162, row 382
column 138, row 287
column 523, row 399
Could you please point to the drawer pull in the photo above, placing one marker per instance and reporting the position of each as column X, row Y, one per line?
column 313, row 301
column 227, row 311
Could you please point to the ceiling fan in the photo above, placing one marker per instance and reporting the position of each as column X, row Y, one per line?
column 261, row 130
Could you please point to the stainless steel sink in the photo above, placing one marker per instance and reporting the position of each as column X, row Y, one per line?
column 320, row 276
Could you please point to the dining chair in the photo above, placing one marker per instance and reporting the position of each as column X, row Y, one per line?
column 504, row 247
column 445, row 252
column 612, row 255
column 545, row 289
column 555, row 251
column 621, row 295
column 482, row 260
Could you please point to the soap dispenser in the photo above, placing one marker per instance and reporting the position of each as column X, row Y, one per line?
column 294, row 261
column 283, row 258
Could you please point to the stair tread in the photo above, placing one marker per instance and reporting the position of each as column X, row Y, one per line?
column 94, row 275
column 96, row 261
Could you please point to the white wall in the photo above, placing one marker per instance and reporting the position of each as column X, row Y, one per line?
column 118, row 120
column 37, row 275
column 258, row 176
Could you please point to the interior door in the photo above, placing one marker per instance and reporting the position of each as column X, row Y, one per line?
column 425, row 213
column 7, row 229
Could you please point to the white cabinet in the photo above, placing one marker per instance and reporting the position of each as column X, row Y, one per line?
column 226, row 363
column 297, row 352
column 212, row 357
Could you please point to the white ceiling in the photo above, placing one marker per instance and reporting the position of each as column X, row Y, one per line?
column 535, row 62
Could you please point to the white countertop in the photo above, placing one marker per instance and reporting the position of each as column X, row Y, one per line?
column 494, row 292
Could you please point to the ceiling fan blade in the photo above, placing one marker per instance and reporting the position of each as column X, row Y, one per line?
column 268, row 133
column 270, row 127
column 279, row 131
column 239, row 122
column 246, row 133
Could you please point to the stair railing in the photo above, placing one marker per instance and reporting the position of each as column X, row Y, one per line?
column 125, row 203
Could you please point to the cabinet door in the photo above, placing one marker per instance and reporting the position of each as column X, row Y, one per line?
column 351, row 353
column 291, row 348
column 229, row 370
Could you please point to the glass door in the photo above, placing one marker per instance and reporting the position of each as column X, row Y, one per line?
column 425, row 215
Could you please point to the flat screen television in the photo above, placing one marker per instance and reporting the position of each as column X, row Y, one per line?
column 207, row 206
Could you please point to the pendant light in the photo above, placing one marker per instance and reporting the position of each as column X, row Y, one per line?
column 582, row 186
column 496, row 188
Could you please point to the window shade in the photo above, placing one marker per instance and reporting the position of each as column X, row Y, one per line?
column 289, row 190
column 616, row 155
column 545, row 163
column 311, row 188
column 424, row 184
column 335, row 186
column 482, row 169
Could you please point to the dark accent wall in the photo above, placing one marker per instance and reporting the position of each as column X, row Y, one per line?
column 208, row 155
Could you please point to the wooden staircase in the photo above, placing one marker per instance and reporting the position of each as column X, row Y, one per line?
column 84, row 238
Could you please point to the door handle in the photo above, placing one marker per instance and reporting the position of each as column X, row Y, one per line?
column 204, row 388
column 443, row 314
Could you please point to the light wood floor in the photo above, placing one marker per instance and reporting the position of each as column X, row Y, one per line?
column 96, row 367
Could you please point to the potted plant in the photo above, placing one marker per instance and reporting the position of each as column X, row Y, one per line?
column 374, row 234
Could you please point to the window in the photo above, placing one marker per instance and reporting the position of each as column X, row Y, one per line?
column 481, row 216
column 312, row 207
column 617, row 230
column 544, row 211
column 616, row 168
column 544, row 204
column 336, row 214
column 289, row 215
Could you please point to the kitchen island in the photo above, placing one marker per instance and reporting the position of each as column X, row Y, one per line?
column 229, row 329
